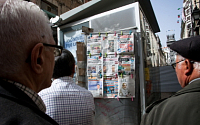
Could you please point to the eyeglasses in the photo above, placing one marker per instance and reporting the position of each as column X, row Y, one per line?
column 57, row 51
column 174, row 64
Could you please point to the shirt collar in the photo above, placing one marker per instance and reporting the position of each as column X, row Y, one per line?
column 63, row 79
column 194, row 80
column 33, row 95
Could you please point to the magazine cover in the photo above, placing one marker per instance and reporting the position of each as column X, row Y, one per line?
column 126, row 87
column 110, row 65
column 125, row 43
column 126, row 64
column 95, row 86
column 110, row 87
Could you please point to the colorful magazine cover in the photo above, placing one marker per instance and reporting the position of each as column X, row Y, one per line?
column 126, row 64
column 125, row 43
column 95, row 86
column 110, row 87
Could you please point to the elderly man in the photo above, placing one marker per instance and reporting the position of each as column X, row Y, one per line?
column 183, row 107
column 68, row 103
column 26, row 61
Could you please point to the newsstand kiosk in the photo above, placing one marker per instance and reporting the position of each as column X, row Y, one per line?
column 109, row 52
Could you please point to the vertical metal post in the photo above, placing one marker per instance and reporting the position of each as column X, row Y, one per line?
column 141, row 72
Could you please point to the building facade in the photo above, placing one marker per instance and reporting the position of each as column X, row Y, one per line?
column 190, row 18
column 58, row 7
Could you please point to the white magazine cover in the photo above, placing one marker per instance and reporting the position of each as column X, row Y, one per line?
column 126, row 87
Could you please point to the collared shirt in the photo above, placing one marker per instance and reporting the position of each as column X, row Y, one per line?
column 194, row 80
column 33, row 95
column 68, row 103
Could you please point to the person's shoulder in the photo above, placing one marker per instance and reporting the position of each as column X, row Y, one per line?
column 152, row 105
column 24, row 113
column 83, row 89
column 45, row 91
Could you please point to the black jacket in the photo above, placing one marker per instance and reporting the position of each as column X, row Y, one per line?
column 183, row 108
column 16, row 108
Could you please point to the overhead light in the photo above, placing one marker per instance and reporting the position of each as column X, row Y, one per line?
column 56, row 20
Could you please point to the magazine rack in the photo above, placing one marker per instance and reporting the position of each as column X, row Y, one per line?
column 111, row 65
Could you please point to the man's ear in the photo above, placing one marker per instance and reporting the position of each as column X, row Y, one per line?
column 189, row 67
column 37, row 58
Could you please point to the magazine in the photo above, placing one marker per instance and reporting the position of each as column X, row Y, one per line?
column 126, row 64
column 95, row 86
column 125, row 43
column 126, row 87
column 110, row 87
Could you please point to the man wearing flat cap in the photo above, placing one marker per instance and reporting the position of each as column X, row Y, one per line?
column 183, row 108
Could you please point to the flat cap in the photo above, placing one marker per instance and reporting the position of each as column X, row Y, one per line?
column 188, row 48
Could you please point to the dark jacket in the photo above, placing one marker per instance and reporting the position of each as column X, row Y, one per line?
column 16, row 108
column 183, row 108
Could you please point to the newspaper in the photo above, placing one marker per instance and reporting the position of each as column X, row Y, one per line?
column 110, row 87
column 125, row 43
column 126, row 87
column 94, row 44
column 94, row 65
column 110, row 44
column 95, row 86
column 93, row 39
column 126, row 64
column 110, row 65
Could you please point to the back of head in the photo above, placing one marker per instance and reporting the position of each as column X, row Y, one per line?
column 64, row 65
column 22, row 25
column 188, row 50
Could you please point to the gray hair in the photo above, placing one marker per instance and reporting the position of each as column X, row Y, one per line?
column 22, row 25
column 195, row 63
